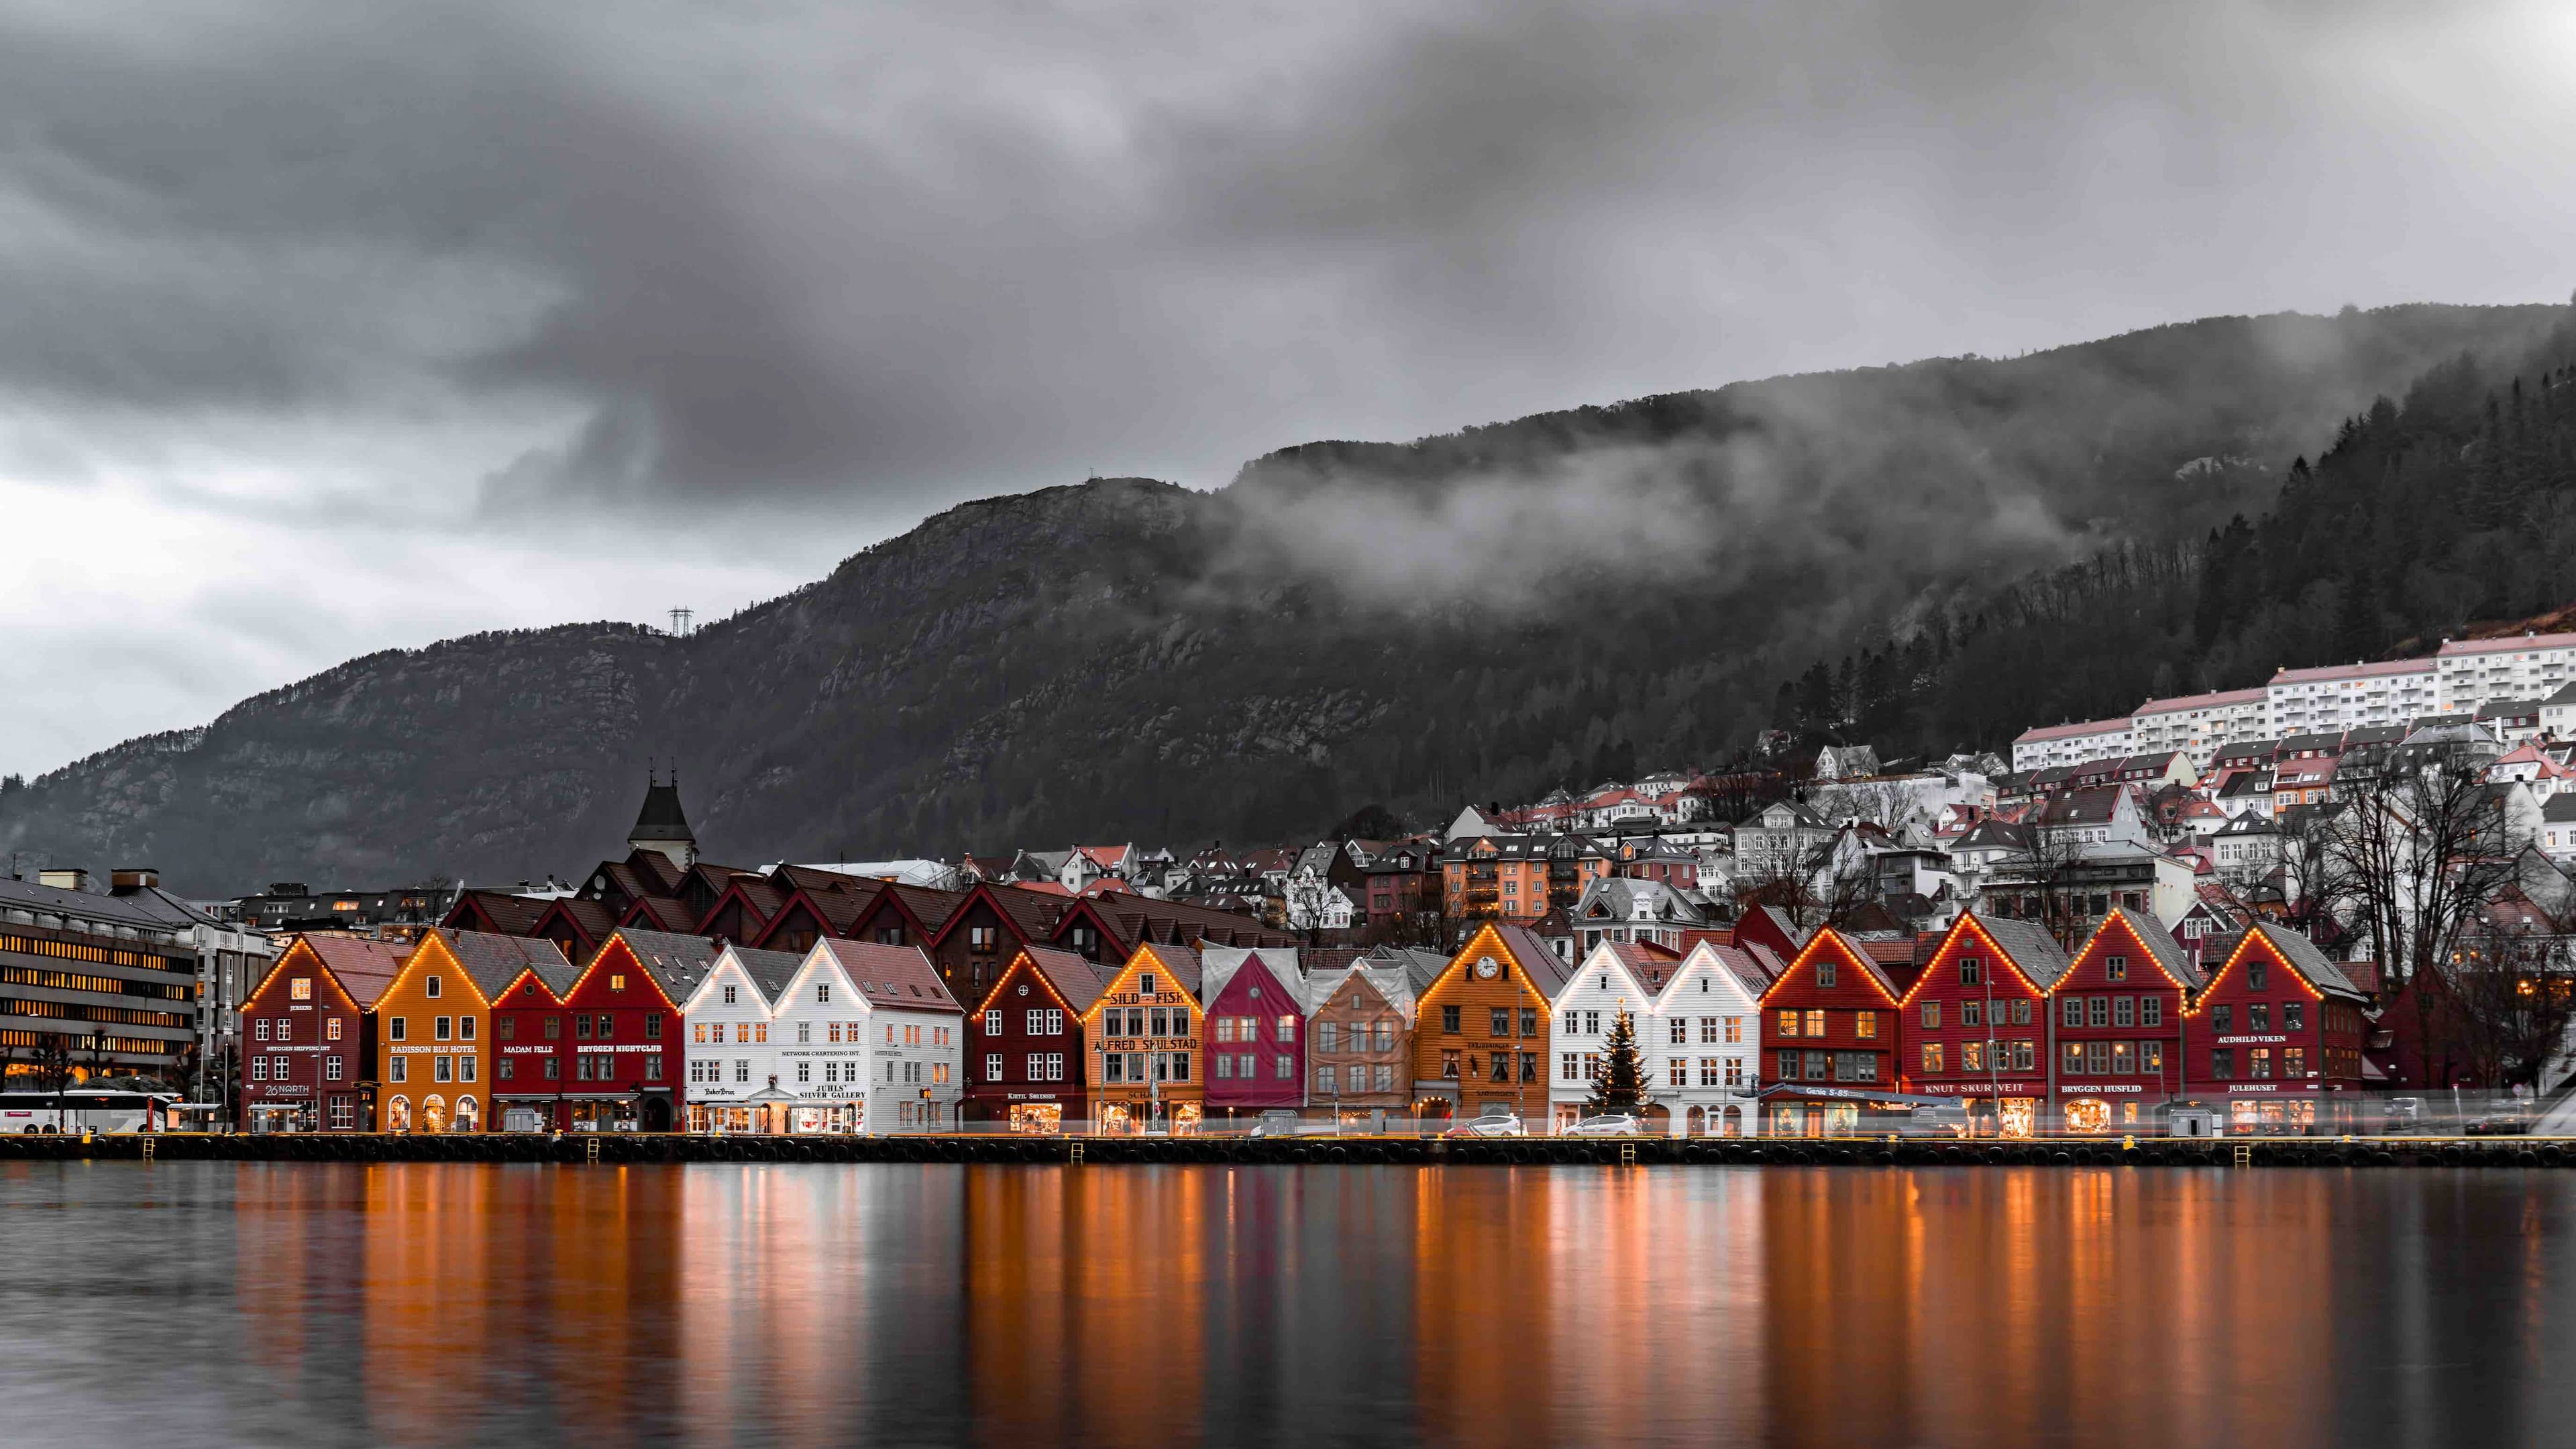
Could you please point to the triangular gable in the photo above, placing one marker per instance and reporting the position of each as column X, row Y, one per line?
column 727, row 971
column 1603, row 961
column 1968, row 926
column 617, row 955
column 2264, row 936
column 1027, row 916
column 2152, row 941
column 433, row 953
column 1729, row 964
column 1845, row 953
column 1070, row 981
column 820, row 965
column 301, row 950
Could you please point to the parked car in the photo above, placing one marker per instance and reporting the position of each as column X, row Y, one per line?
column 1277, row 1122
column 1616, row 1124
column 1494, row 1125
column 2501, row 1124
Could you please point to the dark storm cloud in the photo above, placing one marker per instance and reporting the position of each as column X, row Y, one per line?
column 947, row 249
column 926, row 252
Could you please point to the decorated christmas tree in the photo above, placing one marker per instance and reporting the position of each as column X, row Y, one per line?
column 1620, row 1084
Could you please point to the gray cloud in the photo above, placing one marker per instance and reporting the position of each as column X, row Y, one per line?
column 514, row 266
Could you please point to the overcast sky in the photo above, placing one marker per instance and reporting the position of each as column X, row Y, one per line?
column 325, row 329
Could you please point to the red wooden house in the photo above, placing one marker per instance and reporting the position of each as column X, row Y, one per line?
column 1976, row 1022
column 989, row 926
column 1830, row 1035
column 628, row 1037
column 2276, row 1037
column 532, row 1047
column 1255, row 1029
column 1106, row 929
column 308, row 1043
column 743, row 913
column 497, row 912
column 1024, row 1043
column 2117, row 1020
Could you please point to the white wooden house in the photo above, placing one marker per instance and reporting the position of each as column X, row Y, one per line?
column 1702, row 1048
column 1614, row 977
column 911, row 1031
column 732, row 1054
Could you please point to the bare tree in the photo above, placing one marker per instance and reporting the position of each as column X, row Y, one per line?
column 2505, row 1005
column 2047, row 867
column 2318, row 893
column 53, row 1062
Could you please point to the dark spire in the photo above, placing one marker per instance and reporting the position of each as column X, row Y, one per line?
column 661, row 819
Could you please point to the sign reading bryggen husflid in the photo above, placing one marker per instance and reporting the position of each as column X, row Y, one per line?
column 111, row 983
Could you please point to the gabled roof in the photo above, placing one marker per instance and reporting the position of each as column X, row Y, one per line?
column 1219, row 965
column 2299, row 952
column 513, row 915
column 770, row 971
column 677, row 963
column 1032, row 915
column 1742, row 965
column 362, row 967
column 1180, row 961
column 891, row 976
column 589, row 919
column 495, row 961
column 1077, row 981
column 667, row 914
column 1829, row 939
column 2160, row 943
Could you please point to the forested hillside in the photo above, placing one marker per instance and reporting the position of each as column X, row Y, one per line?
column 1484, row 615
column 2448, row 503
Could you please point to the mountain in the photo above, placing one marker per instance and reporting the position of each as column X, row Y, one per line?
column 1480, row 615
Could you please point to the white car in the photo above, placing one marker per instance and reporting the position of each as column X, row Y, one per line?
column 1499, row 1125
column 1617, row 1124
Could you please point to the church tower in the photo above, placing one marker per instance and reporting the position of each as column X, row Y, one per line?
column 661, row 825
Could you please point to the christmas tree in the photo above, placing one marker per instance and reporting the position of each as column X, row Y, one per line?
column 1620, row 1084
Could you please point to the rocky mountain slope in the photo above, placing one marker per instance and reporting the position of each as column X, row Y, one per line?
column 1474, row 616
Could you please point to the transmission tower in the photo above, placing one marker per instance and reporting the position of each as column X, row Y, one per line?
column 680, row 620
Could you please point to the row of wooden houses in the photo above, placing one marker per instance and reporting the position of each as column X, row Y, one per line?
column 1835, row 1035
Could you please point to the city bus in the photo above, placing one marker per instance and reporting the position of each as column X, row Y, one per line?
column 78, row 1110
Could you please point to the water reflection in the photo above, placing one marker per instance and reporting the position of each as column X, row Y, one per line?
column 435, row 1304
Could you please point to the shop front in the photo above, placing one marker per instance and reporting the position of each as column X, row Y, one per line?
column 2284, row 1109
column 283, row 1116
column 525, row 1114
column 1037, row 1119
column 1999, row 1108
column 1799, row 1109
column 2106, row 1108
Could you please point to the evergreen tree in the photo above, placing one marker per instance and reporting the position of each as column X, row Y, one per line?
column 1620, row 1085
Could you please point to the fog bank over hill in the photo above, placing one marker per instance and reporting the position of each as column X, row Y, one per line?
column 1477, row 615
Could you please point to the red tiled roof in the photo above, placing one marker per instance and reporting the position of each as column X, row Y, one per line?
column 895, row 976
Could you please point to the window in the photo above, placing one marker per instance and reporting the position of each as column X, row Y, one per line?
column 1144, row 981
column 759, row 1029
column 300, row 989
column 1972, row 1056
column 2257, row 973
column 2151, row 1011
column 2124, row 1059
column 2070, row 1011
column 1788, row 1025
column 2222, row 1019
column 1449, row 1064
column 1931, row 1059
column 1224, row 1065
column 401, row 1070
column 653, row 1027
column 652, row 1066
column 1529, row 1066
column 1972, row 971
column 1499, row 1066
column 2258, row 1016
column 331, row 1029
column 741, row 1070
column 823, row 993
column 1815, row 1022
column 1815, row 1065
column 507, row 1026
column 331, row 1068
column 606, row 1026
column 259, row 1069
column 1529, row 1021
column 433, row 988
column 2073, row 1055
column 728, row 996
column 1449, row 1021
column 1931, row 1016
column 259, row 1028
column 2222, row 1064
column 1678, row 1034
column 1054, row 1022
column 554, row 1028
column 1972, row 1013
column 2151, row 1057
column 1787, row 1070
column 2116, row 968
column 2258, row 1063
column 441, row 1028
column 1570, row 1066
column 2124, row 1011
column 554, row 1069
column 616, row 981
column 2294, row 1062
column 1283, row 1068
column 1501, row 1021
column 1864, row 1025
column 1385, row 1036
column 1328, row 1036
column 398, row 1028
column 1825, row 973
column 1384, row 1075
column 2098, row 1010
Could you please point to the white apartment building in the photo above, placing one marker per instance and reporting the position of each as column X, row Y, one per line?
column 2197, row 725
column 2332, row 698
column 2526, row 666
column 2049, row 746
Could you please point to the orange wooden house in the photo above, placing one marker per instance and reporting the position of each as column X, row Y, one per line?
column 434, row 1031
column 1140, row 1068
column 1480, row 1030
